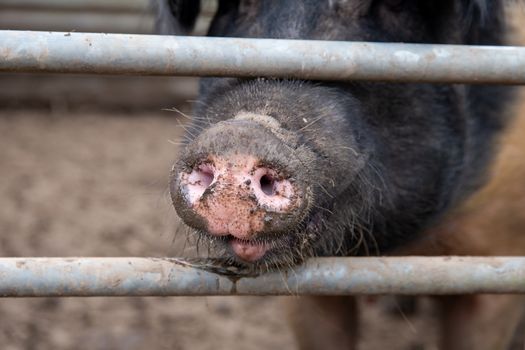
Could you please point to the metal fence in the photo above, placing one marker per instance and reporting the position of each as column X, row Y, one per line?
column 157, row 55
column 42, row 277
column 203, row 56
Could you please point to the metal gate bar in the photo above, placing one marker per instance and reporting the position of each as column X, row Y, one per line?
column 44, row 277
column 22, row 51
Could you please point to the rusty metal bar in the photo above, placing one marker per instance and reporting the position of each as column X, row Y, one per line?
column 201, row 56
column 44, row 277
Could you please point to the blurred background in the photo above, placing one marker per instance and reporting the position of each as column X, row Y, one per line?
column 73, row 92
column 84, row 170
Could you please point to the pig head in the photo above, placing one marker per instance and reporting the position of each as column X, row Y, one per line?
column 277, row 170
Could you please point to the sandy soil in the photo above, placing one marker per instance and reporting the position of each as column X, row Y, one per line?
column 95, row 185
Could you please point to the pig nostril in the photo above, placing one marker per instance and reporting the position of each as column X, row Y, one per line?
column 195, row 183
column 267, row 185
column 202, row 176
column 205, row 176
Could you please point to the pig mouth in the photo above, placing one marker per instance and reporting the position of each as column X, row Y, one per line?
column 250, row 251
column 263, row 252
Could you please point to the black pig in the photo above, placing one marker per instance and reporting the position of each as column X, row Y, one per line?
column 280, row 170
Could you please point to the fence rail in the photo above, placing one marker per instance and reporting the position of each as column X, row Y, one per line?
column 22, row 51
column 44, row 277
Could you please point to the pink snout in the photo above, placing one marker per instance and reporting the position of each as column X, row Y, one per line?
column 239, row 197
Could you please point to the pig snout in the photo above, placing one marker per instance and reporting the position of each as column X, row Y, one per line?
column 237, row 193
column 238, row 198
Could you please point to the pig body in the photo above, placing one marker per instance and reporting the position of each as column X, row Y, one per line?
column 276, row 171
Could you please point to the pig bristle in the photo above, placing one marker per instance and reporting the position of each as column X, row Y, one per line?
column 176, row 143
column 188, row 131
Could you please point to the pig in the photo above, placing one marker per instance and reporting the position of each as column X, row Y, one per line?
column 275, row 171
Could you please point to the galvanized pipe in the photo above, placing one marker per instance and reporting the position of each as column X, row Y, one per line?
column 45, row 277
column 320, row 60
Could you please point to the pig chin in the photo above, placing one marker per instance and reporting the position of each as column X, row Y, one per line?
column 242, row 196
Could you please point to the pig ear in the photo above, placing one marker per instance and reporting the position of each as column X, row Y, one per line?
column 175, row 17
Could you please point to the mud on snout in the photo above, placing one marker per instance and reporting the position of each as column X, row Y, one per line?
column 243, row 185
